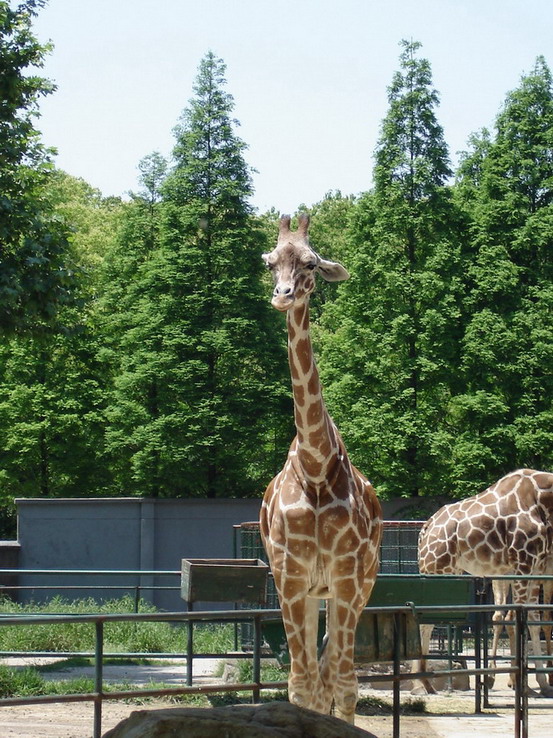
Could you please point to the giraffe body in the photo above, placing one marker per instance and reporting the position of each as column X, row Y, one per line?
column 507, row 529
column 320, row 519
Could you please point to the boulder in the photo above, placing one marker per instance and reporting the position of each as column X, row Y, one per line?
column 271, row 720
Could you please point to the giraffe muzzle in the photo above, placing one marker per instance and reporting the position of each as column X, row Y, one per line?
column 283, row 297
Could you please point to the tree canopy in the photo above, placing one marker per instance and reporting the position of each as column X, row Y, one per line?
column 141, row 355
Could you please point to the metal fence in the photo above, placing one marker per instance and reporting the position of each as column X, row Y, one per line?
column 479, row 615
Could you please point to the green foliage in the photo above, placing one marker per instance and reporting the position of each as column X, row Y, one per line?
column 36, row 273
column 503, row 414
column 140, row 352
column 389, row 365
column 194, row 343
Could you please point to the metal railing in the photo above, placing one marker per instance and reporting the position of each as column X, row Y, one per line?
column 137, row 588
column 520, row 668
column 479, row 613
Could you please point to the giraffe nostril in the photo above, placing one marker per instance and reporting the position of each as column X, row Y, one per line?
column 284, row 290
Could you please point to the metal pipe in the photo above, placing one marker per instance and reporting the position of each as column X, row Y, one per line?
column 98, row 678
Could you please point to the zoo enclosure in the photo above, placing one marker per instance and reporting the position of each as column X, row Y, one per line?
column 399, row 617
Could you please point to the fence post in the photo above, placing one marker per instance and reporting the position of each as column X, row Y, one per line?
column 397, row 669
column 521, row 674
column 478, row 662
column 256, row 658
column 98, row 677
column 189, row 648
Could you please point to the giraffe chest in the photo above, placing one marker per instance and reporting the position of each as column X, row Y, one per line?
column 318, row 536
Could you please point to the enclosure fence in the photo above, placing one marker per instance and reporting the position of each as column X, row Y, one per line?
column 479, row 614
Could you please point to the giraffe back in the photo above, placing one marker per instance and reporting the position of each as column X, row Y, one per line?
column 507, row 529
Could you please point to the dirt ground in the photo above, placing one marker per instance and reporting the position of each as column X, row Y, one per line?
column 448, row 714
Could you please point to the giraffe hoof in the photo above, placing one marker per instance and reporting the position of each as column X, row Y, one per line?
column 546, row 691
column 421, row 691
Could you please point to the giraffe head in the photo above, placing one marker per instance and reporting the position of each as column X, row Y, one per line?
column 294, row 264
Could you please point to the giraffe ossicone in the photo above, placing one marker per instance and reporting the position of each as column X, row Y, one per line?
column 505, row 530
column 320, row 521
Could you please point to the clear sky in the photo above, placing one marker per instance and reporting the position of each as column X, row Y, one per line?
column 309, row 80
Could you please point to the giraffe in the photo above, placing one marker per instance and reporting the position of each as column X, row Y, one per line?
column 320, row 519
column 501, row 589
column 507, row 529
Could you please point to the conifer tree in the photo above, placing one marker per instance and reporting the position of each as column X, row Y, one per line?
column 504, row 417
column 391, row 362
column 193, row 410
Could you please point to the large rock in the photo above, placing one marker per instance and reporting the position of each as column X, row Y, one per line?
column 271, row 720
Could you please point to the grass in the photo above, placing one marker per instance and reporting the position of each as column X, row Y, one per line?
column 126, row 636
column 121, row 637
column 29, row 682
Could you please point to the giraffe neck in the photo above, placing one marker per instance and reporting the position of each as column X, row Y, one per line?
column 317, row 438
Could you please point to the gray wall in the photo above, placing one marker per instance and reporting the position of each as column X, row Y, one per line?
column 123, row 533
column 138, row 535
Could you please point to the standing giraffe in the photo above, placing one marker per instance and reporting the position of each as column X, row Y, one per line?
column 507, row 529
column 321, row 521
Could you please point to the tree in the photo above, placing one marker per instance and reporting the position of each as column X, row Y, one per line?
column 390, row 353
column 199, row 377
column 504, row 416
column 35, row 273
column 52, row 385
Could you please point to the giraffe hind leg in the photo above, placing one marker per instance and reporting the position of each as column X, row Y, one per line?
column 423, row 685
column 337, row 659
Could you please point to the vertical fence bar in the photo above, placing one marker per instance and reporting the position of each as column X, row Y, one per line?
column 518, row 673
column 524, row 671
column 189, row 649
column 398, row 632
column 98, row 678
column 256, row 676
column 478, row 662
column 486, row 660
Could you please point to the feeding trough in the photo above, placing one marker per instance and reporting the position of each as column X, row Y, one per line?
column 224, row 580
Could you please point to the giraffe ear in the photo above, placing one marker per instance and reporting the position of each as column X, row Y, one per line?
column 332, row 271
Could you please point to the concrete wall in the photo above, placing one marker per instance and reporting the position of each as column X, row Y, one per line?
column 138, row 535
column 9, row 559
column 122, row 533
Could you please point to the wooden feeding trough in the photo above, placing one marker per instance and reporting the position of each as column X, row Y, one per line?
column 224, row 580
column 241, row 581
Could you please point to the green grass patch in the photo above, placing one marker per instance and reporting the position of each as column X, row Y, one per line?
column 125, row 636
column 29, row 682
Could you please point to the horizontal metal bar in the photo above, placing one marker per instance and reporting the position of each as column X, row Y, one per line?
column 240, row 615
column 127, row 694
column 181, row 655
column 431, row 674
column 100, row 587
column 95, row 572
column 173, row 572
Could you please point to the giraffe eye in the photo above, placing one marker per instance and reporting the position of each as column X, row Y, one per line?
column 311, row 266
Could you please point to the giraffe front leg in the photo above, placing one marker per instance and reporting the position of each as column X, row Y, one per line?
column 301, row 621
column 543, row 682
column 423, row 685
